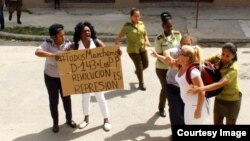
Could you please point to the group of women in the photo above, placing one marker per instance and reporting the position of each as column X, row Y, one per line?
column 187, row 103
column 174, row 52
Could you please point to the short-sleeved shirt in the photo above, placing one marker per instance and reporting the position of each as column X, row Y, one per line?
column 50, row 68
column 174, row 52
column 231, row 91
column 135, row 37
column 163, row 43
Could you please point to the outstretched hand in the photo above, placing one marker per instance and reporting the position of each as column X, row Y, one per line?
column 154, row 53
column 194, row 90
column 119, row 52
column 58, row 55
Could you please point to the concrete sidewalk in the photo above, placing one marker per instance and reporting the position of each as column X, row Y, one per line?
column 215, row 25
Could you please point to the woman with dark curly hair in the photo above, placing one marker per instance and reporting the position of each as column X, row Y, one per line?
column 78, row 34
column 85, row 38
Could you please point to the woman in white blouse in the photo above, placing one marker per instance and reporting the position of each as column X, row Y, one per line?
column 196, row 108
column 85, row 38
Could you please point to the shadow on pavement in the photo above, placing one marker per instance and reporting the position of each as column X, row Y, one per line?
column 122, row 93
column 138, row 132
column 65, row 134
column 119, row 93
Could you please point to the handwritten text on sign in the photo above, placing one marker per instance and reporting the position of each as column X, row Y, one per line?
column 90, row 70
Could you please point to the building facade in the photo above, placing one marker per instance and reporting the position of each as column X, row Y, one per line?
column 132, row 3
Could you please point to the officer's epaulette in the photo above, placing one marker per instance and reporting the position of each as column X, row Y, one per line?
column 67, row 40
column 127, row 24
column 176, row 32
column 49, row 41
column 159, row 37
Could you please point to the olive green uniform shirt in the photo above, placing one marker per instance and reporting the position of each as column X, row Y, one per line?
column 135, row 37
column 163, row 43
column 231, row 91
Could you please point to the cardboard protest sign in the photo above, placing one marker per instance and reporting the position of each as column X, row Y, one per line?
column 90, row 70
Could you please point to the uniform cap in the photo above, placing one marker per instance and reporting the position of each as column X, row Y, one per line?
column 165, row 16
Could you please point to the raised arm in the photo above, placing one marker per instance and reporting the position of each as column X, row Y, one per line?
column 118, row 39
column 41, row 53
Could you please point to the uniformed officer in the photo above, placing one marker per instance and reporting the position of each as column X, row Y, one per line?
column 15, row 5
column 49, row 49
column 169, row 38
column 137, row 41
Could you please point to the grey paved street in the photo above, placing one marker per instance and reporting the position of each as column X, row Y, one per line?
column 25, row 112
column 25, row 115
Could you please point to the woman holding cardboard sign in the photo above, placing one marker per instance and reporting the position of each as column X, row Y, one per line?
column 85, row 38
column 49, row 49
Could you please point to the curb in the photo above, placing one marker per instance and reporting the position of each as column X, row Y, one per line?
column 215, row 42
column 5, row 35
column 201, row 41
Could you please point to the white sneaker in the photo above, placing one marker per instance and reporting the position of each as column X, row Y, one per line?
column 107, row 126
column 83, row 124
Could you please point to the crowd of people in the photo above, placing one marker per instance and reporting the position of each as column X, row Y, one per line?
column 174, row 53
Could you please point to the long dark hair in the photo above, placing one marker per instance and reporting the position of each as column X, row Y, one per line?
column 232, row 48
column 78, row 31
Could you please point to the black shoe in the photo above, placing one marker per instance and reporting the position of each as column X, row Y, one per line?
column 162, row 113
column 55, row 128
column 142, row 87
column 10, row 17
column 19, row 22
column 71, row 123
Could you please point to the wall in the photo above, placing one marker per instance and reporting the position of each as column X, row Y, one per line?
column 232, row 3
column 134, row 3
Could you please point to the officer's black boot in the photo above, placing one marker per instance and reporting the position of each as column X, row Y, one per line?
column 10, row 16
column 18, row 17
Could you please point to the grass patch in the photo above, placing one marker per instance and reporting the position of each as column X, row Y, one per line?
column 42, row 31
column 31, row 30
column 27, row 30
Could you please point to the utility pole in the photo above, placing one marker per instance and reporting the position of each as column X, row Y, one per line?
column 197, row 12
